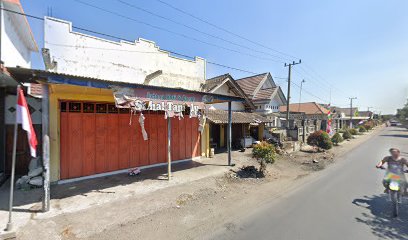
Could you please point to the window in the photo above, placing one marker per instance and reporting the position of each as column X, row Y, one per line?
column 89, row 108
column 74, row 107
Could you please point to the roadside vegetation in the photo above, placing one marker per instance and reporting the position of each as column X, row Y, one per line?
column 265, row 153
column 347, row 135
column 320, row 139
column 362, row 129
column 353, row 131
column 402, row 115
column 337, row 139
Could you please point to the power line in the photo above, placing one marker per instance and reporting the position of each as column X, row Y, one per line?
column 196, row 29
column 330, row 85
column 121, row 38
column 116, row 37
column 241, row 37
column 319, row 89
column 173, row 32
column 223, row 29
column 175, row 53
column 311, row 94
column 233, row 68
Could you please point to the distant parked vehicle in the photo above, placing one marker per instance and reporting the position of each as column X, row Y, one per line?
column 394, row 123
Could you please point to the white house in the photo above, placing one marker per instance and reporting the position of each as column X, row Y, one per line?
column 16, row 45
column 17, row 40
column 247, row 126
column 265, row 95
column 75, row 53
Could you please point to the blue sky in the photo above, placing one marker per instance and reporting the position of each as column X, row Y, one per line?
column 355, row 48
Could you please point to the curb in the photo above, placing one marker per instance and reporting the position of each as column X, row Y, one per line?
column 8, row 235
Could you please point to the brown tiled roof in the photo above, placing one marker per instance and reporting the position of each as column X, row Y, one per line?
column 211, row 83
column 221, row 117
column 307, row 108
column 264, row 94
column 249, row 84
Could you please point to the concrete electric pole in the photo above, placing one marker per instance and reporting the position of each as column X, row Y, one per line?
column 289, row 78
column 351, row 111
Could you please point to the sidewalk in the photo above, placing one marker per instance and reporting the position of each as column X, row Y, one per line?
column 76, row 196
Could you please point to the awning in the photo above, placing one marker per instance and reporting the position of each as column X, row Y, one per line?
column 36, row 75
column 221, row 117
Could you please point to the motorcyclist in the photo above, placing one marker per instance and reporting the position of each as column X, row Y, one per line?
column 395, row 161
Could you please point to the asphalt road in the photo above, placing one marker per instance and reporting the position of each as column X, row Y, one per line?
column 344, row 202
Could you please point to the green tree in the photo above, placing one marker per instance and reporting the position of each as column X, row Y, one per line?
column 402, row 114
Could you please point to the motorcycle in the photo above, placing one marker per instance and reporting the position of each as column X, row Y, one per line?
column 396, row 184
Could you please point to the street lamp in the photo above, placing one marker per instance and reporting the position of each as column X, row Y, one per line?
column 300, row 95
column 351, row 111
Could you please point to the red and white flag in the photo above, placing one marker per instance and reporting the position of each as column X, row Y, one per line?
column 23, row 116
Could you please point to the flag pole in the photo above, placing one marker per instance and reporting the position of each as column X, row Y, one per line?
column 13, row 166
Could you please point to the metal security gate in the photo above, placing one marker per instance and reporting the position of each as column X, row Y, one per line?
column 97, row 138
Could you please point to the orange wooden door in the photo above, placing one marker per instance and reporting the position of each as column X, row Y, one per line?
column 88, row 144
column 97, row 142
column 75, row 145
column 175, row 139
column 101, row 136
column 125, row 141
column 162, row 138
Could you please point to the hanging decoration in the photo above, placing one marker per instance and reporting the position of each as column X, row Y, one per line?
column 142, row 126
column 173, row 103
column 329, row 129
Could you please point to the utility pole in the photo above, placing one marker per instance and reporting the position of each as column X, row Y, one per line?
column 368, row 110
column 300, row 95
column 351, row 111
column 288, row 100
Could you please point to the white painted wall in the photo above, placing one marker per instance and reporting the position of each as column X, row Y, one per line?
column 89, row 56
column 272, row 106
column 14, row 49
column 235, row 106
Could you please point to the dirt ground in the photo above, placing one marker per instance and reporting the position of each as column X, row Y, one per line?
column 189, row 210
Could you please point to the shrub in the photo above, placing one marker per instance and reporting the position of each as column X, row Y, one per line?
column 337, row 138
column 353, row 131
column 347, row 135
column 369, row 125
column 362, row 129
column 264, row 151
column 320, row 139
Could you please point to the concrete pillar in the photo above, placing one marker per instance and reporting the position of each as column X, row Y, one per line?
column 222, row 135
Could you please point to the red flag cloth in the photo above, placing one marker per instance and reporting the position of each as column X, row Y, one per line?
column 23, row 116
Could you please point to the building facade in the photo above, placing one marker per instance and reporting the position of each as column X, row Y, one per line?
column 16, row 46
column 305, row 118
column 265, row 95
column 247, row 126
column 91, row 133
